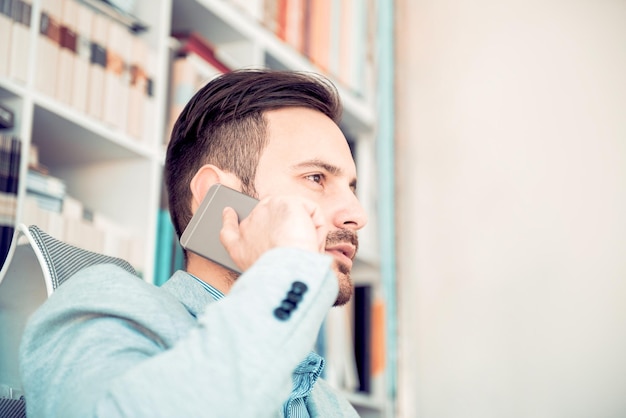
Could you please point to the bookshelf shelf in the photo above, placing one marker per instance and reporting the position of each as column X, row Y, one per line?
column 74, row 139
column 10, row 89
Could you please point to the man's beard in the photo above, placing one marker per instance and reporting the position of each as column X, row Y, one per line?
column 346, row 287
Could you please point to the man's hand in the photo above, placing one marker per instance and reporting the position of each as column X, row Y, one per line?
column 277, row 221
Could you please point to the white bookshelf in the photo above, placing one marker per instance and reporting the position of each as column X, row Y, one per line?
column 113, row 173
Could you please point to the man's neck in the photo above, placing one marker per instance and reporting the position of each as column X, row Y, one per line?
column 217, row 276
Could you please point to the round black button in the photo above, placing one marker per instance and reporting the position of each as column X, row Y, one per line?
column 299, row 287
column 294, row 297
column 281, row 314
column 287, row 305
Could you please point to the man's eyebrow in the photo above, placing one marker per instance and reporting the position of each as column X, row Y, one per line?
column 323, row 165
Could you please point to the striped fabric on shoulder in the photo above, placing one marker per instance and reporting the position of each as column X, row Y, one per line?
column 12, row 408
column 64, row 260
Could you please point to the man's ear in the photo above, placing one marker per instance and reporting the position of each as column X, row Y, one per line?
column 207, row 176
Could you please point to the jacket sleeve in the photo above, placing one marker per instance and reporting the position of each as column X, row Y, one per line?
column 108, row 345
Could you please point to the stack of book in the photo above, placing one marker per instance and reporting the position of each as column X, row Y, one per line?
column 49, row 206
column 10, row 154
column 15, row 23
column 194, row 64
column 46, row 190
column 84, row 58
column 333, row 34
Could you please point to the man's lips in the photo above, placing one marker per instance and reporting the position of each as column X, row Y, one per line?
column 344, row 252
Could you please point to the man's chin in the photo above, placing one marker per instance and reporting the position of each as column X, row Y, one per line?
column 346, row 287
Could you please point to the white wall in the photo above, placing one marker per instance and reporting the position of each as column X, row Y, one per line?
column 512, row 208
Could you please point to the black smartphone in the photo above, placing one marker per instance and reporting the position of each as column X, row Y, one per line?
column 202, row 235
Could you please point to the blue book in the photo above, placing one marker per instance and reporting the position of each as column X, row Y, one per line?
column 164, row 255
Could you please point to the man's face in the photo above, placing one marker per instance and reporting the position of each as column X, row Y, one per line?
column 307, row 155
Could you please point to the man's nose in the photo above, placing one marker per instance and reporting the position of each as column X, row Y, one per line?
column 350, row 214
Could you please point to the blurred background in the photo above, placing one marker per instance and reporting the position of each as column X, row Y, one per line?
column 511, row 203
column 490, row 141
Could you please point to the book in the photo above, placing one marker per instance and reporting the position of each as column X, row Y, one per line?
column 6, row 117
column 193, row 42
column 6, row 30
column 363, row 335
column 84, row 22
column 306, row 28
column 10, row 156
column 164, row 248
column 319, row 37
column 116, row 241
column 281, row 19
column 45, row 185
column 21, row 11
column 14, row 166
column 67, row 51
column 151, row 129
column 48, row 45
column 334, row 29
column 98, row 63
column 352, row 55
column 5, row 159
column 294, row 24
column 115, row 82
column 378, row 338
column 137, row 87
column 270, row 15
column 189, row 73
column 194, row 65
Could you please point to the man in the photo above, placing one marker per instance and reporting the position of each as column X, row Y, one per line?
column 107, row 345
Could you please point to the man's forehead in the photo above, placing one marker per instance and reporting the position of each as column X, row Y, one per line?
column 301, row 136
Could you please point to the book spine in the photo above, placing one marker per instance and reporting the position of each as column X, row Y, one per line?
column 363, row 336
column 84, row 23
column 163, row 256
column 48, row 45
column 345, row 41
column 113, row 74
column 182, row 85
column 334, row 37
column 150, row 109
column 137, row 87
column 294, row 31
column 67, row 52
column 21, row 11
column 98, row 63
column 10, row 154
column 320, row 33
column 281, row 19
column 6, row 31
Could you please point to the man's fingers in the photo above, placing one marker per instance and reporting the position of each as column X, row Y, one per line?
column 317, row 217
column 229, row 234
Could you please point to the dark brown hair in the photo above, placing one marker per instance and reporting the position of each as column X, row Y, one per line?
column 223, row 124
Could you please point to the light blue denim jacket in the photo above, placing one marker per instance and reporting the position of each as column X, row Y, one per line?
column 107, row 344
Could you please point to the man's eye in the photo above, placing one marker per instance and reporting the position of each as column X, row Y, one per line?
column 316, row 178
